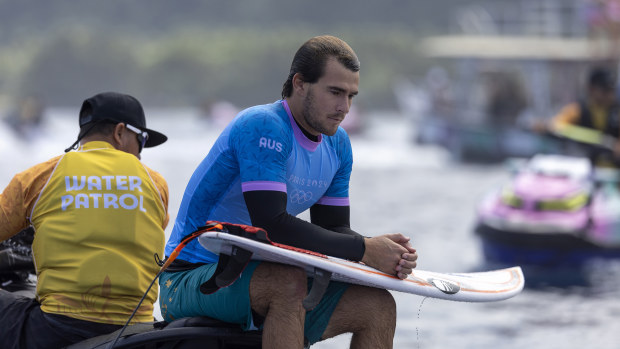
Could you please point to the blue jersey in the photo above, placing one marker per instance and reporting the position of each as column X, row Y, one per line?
column 263, row 148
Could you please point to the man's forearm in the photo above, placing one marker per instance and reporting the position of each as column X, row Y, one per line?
column 268, row 211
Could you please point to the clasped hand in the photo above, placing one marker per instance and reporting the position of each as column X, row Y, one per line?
column 391, row 254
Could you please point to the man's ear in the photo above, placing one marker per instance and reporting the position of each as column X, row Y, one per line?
column 299, row 83
column 117, row 135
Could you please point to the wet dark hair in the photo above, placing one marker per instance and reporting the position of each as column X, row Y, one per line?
column 311, row 58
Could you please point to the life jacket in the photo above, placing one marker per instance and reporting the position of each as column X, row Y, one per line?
column 612, row 119
column 98, row 220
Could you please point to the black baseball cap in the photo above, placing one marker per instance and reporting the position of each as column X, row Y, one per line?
column 118, row 107
column 115, row 107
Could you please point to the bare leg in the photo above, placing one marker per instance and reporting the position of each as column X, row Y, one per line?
column 276, row 292
column 370, row 313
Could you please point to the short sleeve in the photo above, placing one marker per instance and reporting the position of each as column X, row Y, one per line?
column 337, row 193
column 262, row 145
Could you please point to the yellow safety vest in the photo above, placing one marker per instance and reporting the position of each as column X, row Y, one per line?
column 99, row 221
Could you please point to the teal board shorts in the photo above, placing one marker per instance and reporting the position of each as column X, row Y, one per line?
column 180, row 297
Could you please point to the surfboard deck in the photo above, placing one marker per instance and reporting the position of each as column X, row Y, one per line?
column 488, row 286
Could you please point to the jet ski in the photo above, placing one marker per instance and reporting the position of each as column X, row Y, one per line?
column 557, row 212
column 17, row 275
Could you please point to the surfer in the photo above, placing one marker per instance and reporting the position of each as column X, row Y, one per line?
column 271, row 163
column 99, row 216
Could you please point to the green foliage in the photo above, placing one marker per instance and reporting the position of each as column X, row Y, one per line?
column 192, row 64
column 71, row 66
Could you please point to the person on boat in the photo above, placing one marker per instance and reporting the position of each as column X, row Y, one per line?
column 99, row 216
column 271, row 163
column 598, row 111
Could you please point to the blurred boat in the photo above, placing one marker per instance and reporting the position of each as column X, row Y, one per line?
column 498, row 76
column 556, row 210
column 483, row 143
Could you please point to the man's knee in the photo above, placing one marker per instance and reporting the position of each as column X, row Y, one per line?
column 373, row 306
column 386, row 299
column 365, row 311
column 389, row 306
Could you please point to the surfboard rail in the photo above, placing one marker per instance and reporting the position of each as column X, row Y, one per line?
column 486, row 286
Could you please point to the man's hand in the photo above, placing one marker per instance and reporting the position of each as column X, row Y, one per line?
column 390, row 253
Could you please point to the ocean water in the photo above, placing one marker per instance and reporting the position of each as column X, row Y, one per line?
column 396, row 186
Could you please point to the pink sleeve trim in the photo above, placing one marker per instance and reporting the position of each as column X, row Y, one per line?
column 333, row 201
column 263, row 185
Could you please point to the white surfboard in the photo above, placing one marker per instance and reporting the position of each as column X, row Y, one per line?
column 485, row 286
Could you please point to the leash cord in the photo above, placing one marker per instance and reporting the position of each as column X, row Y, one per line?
column 164, row 266
column 120, row 333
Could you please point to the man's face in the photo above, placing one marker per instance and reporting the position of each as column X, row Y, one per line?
column 328, row 100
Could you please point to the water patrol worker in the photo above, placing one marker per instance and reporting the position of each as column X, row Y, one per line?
column 99, row 216
column 271, row 163
column 598, row 111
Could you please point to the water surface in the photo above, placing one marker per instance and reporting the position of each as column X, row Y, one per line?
column 395, row 187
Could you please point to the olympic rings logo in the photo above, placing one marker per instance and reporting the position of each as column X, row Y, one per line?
column 300, row 196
